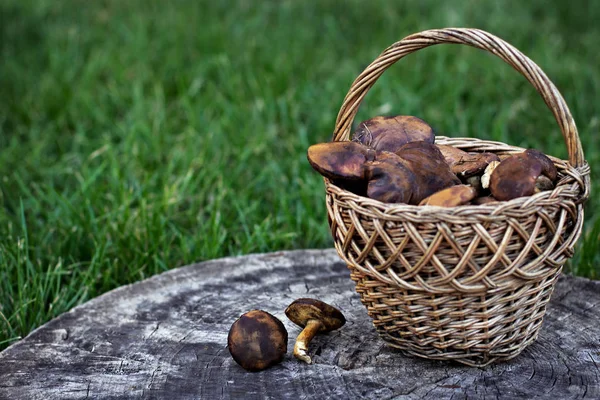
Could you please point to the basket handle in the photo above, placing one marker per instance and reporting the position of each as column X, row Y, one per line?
column 472, row 37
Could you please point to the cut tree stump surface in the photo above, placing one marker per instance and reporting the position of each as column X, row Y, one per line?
column 166, row 337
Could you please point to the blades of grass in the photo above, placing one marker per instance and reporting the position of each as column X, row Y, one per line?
column 132, row 141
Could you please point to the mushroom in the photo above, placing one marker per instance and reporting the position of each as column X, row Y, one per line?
column 390, row 179
column 548, row 167
column 522, row 174
column 473, row 164
column 413, row 173
column 484, row 200
column 514, row 177
column 466, row 164
column 518, row 176
column 340, row 160
column 450, row 197
column 504, row 156
column 315, row 317
column 431, row 171
column 257, row 340
column 451, row 154
column 487, row 173
column 391, row 133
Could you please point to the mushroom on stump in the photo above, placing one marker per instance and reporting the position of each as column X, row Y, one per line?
column 315, row 317
column 257, row 340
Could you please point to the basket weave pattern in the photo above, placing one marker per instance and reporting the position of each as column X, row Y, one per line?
column 468, row 283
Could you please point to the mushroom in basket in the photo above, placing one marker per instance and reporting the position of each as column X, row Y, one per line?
column 395, row 160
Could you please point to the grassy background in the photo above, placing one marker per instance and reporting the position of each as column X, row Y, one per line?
column 138, row 136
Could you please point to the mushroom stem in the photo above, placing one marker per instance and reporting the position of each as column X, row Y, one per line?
column 301, row 347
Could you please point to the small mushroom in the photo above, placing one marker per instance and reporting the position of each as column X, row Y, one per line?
column 315, row 317
column 340, row 160
column 450, row 197
column 391, row 133
column 257, row 340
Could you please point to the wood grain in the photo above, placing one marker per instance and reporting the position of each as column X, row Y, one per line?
column 165, row 337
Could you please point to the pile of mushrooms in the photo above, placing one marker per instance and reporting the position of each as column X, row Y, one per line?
column 395, row 160
column 258, row 340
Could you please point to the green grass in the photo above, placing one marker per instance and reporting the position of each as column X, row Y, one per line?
column 138, row 136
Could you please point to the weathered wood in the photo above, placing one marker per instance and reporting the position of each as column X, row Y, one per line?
column 166, row 337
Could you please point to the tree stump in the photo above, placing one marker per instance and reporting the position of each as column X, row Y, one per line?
column 166, row 337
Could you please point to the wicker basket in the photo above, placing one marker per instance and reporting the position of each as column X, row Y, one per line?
column 468, row 283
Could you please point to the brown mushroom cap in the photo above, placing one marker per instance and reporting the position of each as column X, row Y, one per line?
column 548, row 167
column 473, row 164
column 432, row 173
column 390, row 179
column 466, row 164
column 391, row 133
column 450, row 197
column 340, row 160
column 504, row 156
column 257, row 340
column 521, row 175
column 484, row 200
column 303, row 310
column 515, row 177
column 451, row 154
